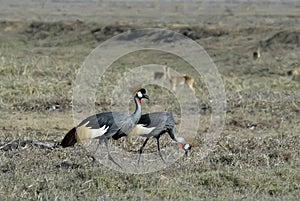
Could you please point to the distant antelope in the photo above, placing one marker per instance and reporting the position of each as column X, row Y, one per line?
column 292, row 73
column 180, row 80
column 256, row 54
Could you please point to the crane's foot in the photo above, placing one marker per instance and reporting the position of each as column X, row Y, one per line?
column 162, row 157
column 158, row 149
column 141, row 150
column 139, row 159
column 110, row 158
column 94, row 159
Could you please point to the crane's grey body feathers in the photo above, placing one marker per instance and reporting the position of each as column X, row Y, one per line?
column 115, row 121
column 160, row 121
column 154, row 125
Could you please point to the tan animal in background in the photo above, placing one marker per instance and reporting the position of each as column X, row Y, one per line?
column 180, row 80
column 256, row 54
column 292, row 73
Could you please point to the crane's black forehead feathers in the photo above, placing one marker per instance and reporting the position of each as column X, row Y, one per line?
column 143, row 91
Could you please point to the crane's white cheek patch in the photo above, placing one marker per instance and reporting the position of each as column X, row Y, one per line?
column 98, row 132
column 187, row 146
column 140, row 95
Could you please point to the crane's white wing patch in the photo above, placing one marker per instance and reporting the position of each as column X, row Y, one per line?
column 141, row 129
column 98, row 132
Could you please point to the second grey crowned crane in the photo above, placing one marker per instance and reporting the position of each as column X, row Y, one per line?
column 104, row 125
column 154, row 125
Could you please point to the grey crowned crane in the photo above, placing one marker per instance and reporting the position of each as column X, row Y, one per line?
column 103, row 126
column 155, row 125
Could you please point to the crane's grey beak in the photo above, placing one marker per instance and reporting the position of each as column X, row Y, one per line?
column 146, row 96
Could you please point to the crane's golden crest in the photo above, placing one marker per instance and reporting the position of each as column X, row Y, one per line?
column 135, row 89
column 139, row 91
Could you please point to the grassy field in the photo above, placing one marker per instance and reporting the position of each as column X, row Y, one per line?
column 257, row 156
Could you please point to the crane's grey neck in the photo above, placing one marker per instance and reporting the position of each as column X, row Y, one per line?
column 173, row 135
column 180, row 139
column 138, row 111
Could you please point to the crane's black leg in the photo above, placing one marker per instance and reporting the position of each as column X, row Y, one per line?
column 158, row 147
column 93, row 156
column 142, row 149
column 109, row 156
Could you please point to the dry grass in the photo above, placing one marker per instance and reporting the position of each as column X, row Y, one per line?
column 256, row 158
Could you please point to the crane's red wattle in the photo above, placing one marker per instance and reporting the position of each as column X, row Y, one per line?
column 180, row 145
column 140, row 101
